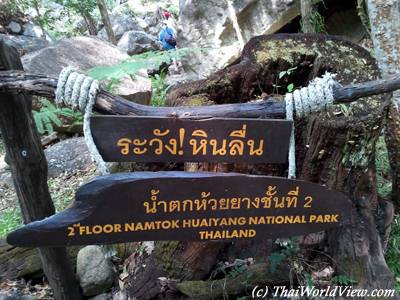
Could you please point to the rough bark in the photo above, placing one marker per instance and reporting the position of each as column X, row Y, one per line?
column 106, row 21
column 106, row 103
column 306, row 16
column 28, row 164
column 384, row 18
column 90, row 23
column 333, row 148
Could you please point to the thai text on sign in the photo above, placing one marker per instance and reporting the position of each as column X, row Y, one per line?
column 188, row 207
column 156, row 139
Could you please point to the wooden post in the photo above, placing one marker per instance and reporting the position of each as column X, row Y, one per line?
column 29, row 170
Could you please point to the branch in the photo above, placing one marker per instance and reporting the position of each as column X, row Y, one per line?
column 258, row 274
column 106, row 103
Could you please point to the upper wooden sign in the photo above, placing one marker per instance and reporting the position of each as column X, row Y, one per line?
column 158, row 139
column 188, row 206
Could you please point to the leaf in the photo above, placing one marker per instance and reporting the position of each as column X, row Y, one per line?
column 53, row 118
column 38, row 122
column 281, row 74
column 275, row 259
column 290, row 71
column 290, row 87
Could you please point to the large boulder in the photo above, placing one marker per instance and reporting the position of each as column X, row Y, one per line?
column 120, row 24
column 212, row 23
column 68, row 155
column 147, row 14
column 24, row 44
column 85, row 53
column 225, row 26
column 14, row 27
column 30, row 29
column 94, row 270
column 140, row 83
column 135, row 42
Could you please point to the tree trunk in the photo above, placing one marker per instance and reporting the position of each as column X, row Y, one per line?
column 106, row 21
column 28, row 164
column 306, row 16
column 384, row 17
column 39, row 17
column 333, row 148
column 90, row 23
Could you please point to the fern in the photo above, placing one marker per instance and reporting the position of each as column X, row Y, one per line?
column 343, row 280
column 160, row 89
column 49, row 116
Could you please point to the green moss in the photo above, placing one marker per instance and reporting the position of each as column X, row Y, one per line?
column 199, row 100
column 195, row 289
column 164, row 253
column 284, row 50
column 354, row 269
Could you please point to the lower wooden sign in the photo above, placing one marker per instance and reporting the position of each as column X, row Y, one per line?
column 184, row 206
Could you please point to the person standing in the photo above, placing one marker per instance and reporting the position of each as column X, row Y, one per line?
column 167, row 37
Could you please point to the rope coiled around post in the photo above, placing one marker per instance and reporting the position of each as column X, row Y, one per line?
column 316, row 96
column 79, row 91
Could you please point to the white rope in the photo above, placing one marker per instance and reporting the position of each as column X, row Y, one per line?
column 316, row 96
column 79, row 91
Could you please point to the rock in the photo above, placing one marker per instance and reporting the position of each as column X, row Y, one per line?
column 14, row 295
column 104, row 296
column 148, row 15
column 17, row 262
column 6, row 179
column 32, row 30
column 211, row 24
column 141, row 84
column 5, row 174
column 135, row 42
column 346, row 23
column 120, row 25
column 14, row 27
column 121, row 295
column 68, row 155
column 24, row 44
column 94, row 270
column 85, row 53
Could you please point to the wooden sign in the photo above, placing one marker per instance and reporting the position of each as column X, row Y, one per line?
column 188, row 207
column 157, row 139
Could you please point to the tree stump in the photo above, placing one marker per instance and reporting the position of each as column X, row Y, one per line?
column 335, row 148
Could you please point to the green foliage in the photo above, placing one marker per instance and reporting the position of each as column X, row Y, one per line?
column 392, row 255
column 49, row 115
column 2, row 147
column 9, row 221
column 286, row 72
column 308, row 280
column 289, row 248
column 317, row 21
column 237, row 270
column 283, row 76
column 383, row 179
column 160, row 89
column 275, row 259
column 129, row 67
column 343, row 280
column 80, row 7
column 62, row 196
